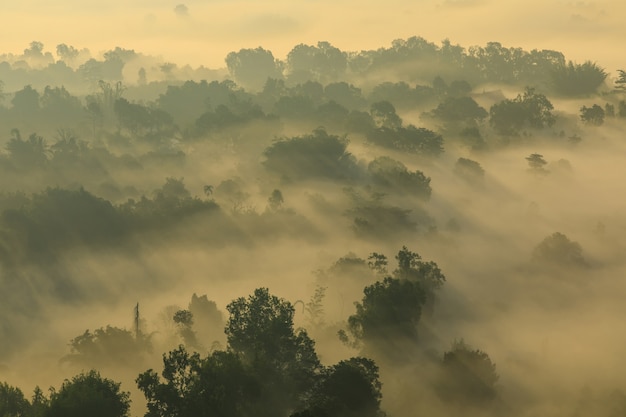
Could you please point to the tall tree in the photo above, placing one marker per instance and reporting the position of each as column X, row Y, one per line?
column 252, row 67
column 89, row 394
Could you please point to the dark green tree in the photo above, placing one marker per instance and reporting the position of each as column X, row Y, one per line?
column 350, row 388
column 12, row 402
column 108, row 347
column 460, row 109
column 391, row 309
column 469, row 170
column 89, row 394
column 384, row 115
column 593, row 115
column 27, row 154
column 558, row 250
column 323, row 62
column 468, row 377
column 578, row 79
column 26, row 102
column 316, row 155
column 389, row 313
column 528, row 110
column 252, row 67
column 260, row 329
column 536, row 162
column 276, row 200
column 620, row 83
column 394, row 176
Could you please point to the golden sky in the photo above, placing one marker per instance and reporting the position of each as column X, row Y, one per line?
column 210, row 29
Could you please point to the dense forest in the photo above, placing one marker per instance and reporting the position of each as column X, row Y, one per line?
column 420, row 229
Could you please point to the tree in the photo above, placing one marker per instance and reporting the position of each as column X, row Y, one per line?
column 184, row 322
column 393, row 175
column 468, row 377
column 350, row 388
column 260, row 330
column 316, row 155
column 12, row 402
column 27, row 154
column 558, row 250
column 460, row 109
column 108, row 347
column 621, row 108
column 418, row 140
column 530, row 110
column 323, row 62
column 345, row 94
column 469, row 170
column 276, row 199
column 67, row 53
column 578, row 79
column 26, row 102
column 194, row 387
column 536, row 162
column 390, row 311
column 384, row 115
column 252, row 67
column 620, row 83
column 89, row 394
column 593, row 115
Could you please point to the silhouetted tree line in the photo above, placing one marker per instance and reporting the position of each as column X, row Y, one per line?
column 268, row 366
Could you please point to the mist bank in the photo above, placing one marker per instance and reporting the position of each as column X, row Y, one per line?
column 419, row 216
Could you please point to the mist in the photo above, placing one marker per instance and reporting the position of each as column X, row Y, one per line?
column 149, row 191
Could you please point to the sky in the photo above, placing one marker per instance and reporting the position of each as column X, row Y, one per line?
column 202, row 32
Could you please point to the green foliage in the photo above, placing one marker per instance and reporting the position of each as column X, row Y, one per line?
column 401, row 94
column 12, row 402
column 393, row 175
column 384, row 115
column 558, row 250
column 410, row 139
column 171, row 204
column 593, row 115
column 58, row 218
column 142, row 120
column 460, row 109
column 536, row 163
column 108, row 347
column 27, row 154
column 89, row 394
column 316, row 155
column 315, row 307
column 223, row 117
column 187, row 102
column 621, row 108
column 620, row 83
column 350, row 388
column 276, row 200
column 26, row 101
column 252, row 67
column 268, row 366
column 260, row 329
column 530, row 110
column 392, row 308
column 323, row 62
column 411, row 267
column 578, row 79
column 184, row 322
column 468, row 377
column 344, row 94
column 469, row 170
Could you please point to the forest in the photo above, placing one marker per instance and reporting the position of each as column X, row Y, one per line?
column 419, row 229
